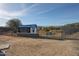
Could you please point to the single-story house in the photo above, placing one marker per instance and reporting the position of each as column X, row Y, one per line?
column 27, row 29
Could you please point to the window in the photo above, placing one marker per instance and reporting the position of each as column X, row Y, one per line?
column 32, row 30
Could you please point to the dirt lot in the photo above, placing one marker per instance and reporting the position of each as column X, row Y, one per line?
column 22, row 46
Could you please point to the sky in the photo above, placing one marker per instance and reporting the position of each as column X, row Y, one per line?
column 42, row 14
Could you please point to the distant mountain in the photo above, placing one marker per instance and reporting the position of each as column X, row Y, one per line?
column 70, row 28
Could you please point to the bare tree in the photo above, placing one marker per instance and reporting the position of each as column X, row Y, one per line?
column 13, row 24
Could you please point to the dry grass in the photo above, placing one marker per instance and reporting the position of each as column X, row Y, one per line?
column 21, row 46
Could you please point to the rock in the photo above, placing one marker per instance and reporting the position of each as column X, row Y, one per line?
column 4, row 45
column 1, row 53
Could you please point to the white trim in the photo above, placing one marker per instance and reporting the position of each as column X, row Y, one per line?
column 33, row 32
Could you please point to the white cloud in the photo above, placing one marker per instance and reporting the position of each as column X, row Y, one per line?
column 2, row 6
column 50, row 9
column 5, row 14
column 11, row 14
column 33, row 5
column 45, row 11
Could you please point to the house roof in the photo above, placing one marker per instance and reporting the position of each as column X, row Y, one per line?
column 31, row 25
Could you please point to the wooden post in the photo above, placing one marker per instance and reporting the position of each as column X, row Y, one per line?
column 62, row 36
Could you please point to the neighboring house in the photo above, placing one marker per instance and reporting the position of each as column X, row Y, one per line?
column 27, row 29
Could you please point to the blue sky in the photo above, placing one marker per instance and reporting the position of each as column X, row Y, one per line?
column 43, row 14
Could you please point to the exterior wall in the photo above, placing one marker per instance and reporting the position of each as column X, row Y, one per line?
column 24, row 30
